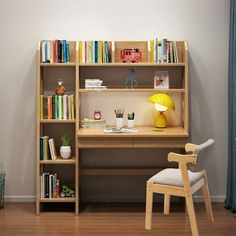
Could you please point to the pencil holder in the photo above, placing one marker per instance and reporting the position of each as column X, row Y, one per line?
column 119, row 123
column 130, row 124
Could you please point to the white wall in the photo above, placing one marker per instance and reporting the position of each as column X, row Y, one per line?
column 203, row 23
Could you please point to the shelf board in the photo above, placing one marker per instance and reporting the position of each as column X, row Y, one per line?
column 58, row 64
column 59, row 199
column 143, row 131
column 57, row 121
column 133, row 64
column 124, row 90
column 59, row 161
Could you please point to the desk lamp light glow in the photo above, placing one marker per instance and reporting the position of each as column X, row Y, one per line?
column 162, row 102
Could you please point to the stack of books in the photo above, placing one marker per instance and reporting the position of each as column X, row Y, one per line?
column 90, row 123
column 47, row 148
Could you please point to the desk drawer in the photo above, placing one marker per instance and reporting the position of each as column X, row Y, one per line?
column 159, row 142
column 109, row 142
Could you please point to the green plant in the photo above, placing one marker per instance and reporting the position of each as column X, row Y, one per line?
column 65, row 140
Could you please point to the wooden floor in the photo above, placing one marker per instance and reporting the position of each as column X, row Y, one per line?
column 111, row 219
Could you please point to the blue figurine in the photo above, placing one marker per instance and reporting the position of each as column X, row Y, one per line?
column 130, row 80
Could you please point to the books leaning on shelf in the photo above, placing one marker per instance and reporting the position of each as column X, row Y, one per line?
column 55, row 51
column 163, row 51
column 52, row 149
column 47, row 146
column 95, row 51
column 91, row 123
column 49, row 186
column 60, row 107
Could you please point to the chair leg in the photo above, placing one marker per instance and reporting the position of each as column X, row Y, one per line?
column 207, row 201
column 149, row 204
column 166, row 204
column 192, row 215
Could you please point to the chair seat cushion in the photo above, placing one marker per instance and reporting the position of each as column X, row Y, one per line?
column 171, row 176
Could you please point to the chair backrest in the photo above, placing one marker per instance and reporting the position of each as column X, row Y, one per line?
column 203, row 152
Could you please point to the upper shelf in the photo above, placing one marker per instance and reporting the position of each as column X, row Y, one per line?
column 130, row 90
column 134, row 64
column 115, row 52
column 58, row 64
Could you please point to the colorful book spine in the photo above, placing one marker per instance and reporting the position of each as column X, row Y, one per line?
column 41, row 107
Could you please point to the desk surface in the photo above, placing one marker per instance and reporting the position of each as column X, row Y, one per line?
column 146, row 137
column 143, row 131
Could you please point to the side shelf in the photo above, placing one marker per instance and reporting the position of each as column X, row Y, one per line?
column 54, row 126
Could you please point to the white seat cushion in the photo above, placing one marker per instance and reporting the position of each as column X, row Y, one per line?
column 171, row 176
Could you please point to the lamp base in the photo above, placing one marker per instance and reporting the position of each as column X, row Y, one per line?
column 160, row 121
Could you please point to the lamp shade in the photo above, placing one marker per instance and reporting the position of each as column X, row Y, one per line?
column 162, row 102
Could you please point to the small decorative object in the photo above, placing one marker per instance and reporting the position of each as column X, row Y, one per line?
column 60, row 90
column 131, row 55
column 65, row 149
column 130, row 80
column 161, row 80
column 67, row 192
column 130, row 121
column 162, row 102
column 97, row 115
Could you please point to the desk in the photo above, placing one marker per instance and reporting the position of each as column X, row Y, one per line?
column 146, row 137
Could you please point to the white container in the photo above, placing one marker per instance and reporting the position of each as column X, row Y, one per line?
column 119, row 123
column 130, row 124
column 65, row 152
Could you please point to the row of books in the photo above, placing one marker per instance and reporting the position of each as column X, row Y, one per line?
column 49, row 186
column 163, row 51
column 94, row 51
column 57, row 107
column 47, row 148
column 55, row 51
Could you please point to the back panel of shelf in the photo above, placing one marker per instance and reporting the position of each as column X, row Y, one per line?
column 141, row 45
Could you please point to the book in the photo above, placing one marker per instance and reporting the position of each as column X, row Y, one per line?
column 122, row 130
column 52, row 149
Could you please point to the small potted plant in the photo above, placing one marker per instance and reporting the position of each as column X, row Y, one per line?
column 65, row 149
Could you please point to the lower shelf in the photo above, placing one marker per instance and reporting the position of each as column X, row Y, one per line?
column 60, row 199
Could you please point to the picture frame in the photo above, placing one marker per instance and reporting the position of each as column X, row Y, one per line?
column 161, row 80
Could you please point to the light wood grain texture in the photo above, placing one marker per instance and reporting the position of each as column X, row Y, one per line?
column 124, row 219
column 135, row 90
column 143, row 131
column 186, row 191
column 59, row 160
column 44, row 124
column 130, row 64
column 166, row 204
column 60, row 199
column 141, row 45
column 55, row 121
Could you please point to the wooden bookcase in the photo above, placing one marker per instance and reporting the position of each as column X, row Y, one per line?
column 86, row 101
column 133, row 100
column 67, row 170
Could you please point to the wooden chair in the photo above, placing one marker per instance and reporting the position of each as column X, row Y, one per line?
column 183, row 182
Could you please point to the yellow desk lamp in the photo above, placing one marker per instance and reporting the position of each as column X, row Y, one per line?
column 162, row 103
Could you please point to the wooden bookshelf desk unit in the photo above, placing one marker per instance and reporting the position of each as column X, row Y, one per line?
column 147, row 136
